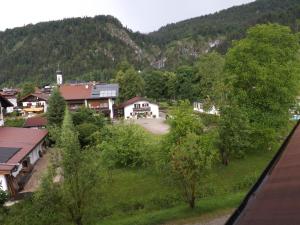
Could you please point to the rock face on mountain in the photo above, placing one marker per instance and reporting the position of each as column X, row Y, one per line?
column 91, row 48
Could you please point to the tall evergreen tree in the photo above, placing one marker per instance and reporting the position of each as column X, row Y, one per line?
column 80, row 172
column 56, row 108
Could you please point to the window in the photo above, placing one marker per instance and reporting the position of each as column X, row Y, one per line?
column 137, row 106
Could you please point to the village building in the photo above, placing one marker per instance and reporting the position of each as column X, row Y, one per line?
column 4, row 104
column 139, row 107
column 11, row 96
column 100, row 97
column 199, row 107
column 34, row 103
column 20, row 149
column 36, row 122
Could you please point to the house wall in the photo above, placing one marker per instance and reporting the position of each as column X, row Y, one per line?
column 3, row 182
column 198, row 107
column 12, row 101
column 34, row 104
column 129, row 109
column 33, row 156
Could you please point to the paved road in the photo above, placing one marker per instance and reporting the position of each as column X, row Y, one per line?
column 155, row 126
column 217, row 221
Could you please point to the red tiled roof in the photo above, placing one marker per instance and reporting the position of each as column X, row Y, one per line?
column 275, row 198
column 36, row 122
column 76, row 91
column 24, row 138
column 132, row 101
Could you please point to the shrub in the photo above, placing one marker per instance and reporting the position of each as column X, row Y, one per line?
column 125, row 146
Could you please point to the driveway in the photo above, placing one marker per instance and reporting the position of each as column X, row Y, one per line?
column 38, row 171
column 156, row 126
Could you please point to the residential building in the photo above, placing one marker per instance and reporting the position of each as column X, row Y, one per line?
column 34, row 103
column 199, row 107
column 20, row 149
column 10, row 95
column 139, row 107
column 100, row 97
column 4, row 104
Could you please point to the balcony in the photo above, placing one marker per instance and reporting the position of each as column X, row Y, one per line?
column 142, row 109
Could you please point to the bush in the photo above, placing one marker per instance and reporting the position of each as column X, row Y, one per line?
column 85, row 130
column 15, row 122
column 125, row 146
column 3, row 197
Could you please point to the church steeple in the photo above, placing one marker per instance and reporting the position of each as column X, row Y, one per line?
column 59, row 77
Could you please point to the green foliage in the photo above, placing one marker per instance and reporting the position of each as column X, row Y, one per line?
column 17, row 122
column 81, row 176
column 263, row 79
column 191, row 159
column 209, row 78
column 3, row 197
column 131, row 84
column 234, row 132
column 56, row 109
column 231, row 23
column 27, row 88
column 124, row 146
column 86, row 115
column 183, row 121
column 184, row 84
column 85, row 130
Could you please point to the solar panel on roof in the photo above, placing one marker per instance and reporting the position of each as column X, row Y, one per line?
column 7, row 153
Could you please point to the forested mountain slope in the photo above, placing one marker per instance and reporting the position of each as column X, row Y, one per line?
column 91, row 48
column 84, row 47
column 232, row 22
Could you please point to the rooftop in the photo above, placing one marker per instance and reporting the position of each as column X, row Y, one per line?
column 36, row 122
column 89, row 91
column 24, row 139
column 275, row 198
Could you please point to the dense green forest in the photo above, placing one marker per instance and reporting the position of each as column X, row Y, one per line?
column 92, row 48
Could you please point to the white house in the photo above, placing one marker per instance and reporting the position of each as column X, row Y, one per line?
column 11, row 96
column 199, row 107
column 35, row 103
column 139, row 107
column 20, row 148
column 4, row 104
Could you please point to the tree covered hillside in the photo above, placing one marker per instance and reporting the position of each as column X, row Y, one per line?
column 92, row 48
column 232, row 22
column 84, row 47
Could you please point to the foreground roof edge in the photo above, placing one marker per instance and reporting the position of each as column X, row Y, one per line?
column 233, row 219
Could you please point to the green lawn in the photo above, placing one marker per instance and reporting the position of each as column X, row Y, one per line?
column 142, row 197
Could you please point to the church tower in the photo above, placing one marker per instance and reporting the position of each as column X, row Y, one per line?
column 59, row 77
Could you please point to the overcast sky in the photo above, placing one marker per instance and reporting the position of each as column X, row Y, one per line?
column 138, row 15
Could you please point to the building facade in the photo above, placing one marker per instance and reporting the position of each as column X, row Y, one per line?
column 99, row 97
column 139, row 107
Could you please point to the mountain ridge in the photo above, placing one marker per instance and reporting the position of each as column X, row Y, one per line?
column 91, row 48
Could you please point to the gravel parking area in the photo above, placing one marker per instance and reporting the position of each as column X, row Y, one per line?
column 155, row 126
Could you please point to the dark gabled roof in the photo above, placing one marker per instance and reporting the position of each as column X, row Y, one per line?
column 132, row 101
column 41, row 96
column 275, row 198
column 35, row 122
column 5, row 102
